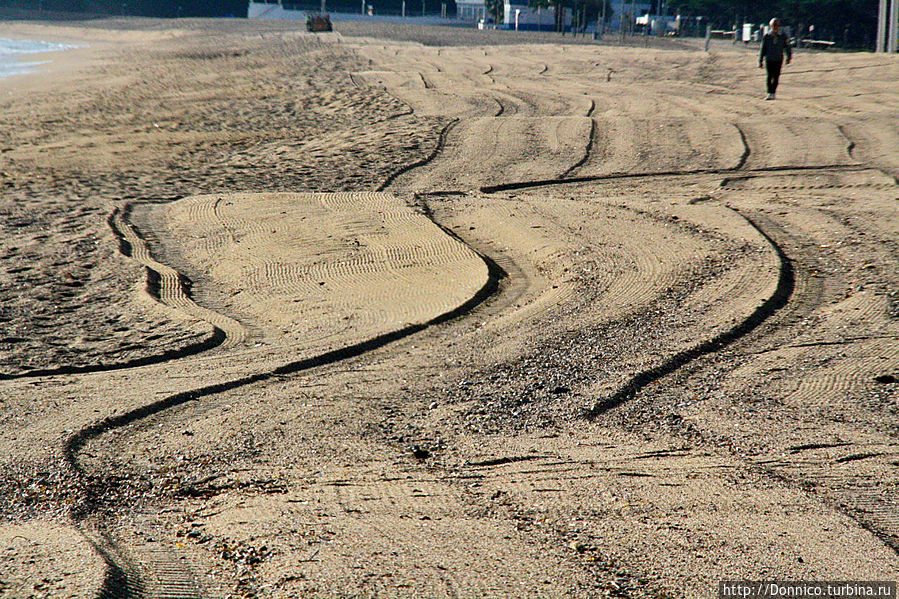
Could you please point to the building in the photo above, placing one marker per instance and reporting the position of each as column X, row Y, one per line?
column 632, row 10
column 528, row 18
column 471, row 10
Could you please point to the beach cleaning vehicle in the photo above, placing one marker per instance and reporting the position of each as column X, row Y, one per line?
column 317, row 22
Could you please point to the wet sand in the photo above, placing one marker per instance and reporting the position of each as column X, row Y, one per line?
column 430, row 312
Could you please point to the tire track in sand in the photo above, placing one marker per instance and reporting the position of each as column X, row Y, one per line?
column 779, row 299
column 155, row 572
column 170, row 285
column 163, row 285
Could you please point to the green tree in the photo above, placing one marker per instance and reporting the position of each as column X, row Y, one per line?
column 495, row 8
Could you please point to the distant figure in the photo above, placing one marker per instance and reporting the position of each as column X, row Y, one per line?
column 774, row 45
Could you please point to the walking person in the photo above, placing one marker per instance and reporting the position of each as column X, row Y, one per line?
column 774, row 45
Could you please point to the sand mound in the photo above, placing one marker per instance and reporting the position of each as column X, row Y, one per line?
column 317, row 271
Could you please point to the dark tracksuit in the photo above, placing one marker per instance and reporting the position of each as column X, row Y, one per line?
column 774, row 46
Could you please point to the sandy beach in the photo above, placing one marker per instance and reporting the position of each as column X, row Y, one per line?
column 435, row 312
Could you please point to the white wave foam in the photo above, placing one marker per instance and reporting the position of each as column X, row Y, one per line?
column 10, row 49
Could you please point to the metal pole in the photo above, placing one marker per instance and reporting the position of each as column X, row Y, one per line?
column 881, row 26
column 891, row 30
column 708, row 36
column 404, row 9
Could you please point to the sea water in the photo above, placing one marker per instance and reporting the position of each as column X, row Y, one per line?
column 12, row 50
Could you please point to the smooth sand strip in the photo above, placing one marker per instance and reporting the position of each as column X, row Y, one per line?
column 318, row 271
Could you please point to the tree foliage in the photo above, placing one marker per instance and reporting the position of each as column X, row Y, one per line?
column 848, row 22
column 146, row 8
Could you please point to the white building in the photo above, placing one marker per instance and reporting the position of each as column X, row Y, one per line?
column 471, row 10
column 621, row 8
column 660, row 25
column 528, row 18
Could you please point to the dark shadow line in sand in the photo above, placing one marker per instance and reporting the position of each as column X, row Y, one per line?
column 747, row 149
column 755, row 172
column 441, row 143
column 215, row 339
column 501, row 109
column 587, row 151
column 211, row 342
column 77, row 441
column 409, row 112
column 673, row 173
column 850, row 148
column 119, row 583
column 504, row 460
column 786, row 282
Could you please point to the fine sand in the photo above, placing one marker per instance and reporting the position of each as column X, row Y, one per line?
column 431, row 312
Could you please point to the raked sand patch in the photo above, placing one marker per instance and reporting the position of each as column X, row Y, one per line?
column 323, row 270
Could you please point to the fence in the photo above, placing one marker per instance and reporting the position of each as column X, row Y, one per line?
column 410, row 8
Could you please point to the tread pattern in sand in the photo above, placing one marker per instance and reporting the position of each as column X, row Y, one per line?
column 785, row 142
column 171, row 291
column 519, row 149
column 663, row 490
column 306, row 267
column 625, row 144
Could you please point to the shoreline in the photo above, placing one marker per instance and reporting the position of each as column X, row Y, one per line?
column 16, row 63
column 41, row 66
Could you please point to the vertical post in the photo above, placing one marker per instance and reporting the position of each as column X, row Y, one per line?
column 601, row 26
column 881, row 26
column 574, row 19
column 422, row 7
column 404, row 9
column 443, row 10
column 362, row 11
column 708, row 36
column 892, row 29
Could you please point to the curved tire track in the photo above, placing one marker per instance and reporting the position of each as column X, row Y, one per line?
column 785, row 285
column 170, row 286
column 164, row 285
column 587, row 150
column 747, row 149
column 441, row 144
column 122, row 580
column 515, row 186
column 780, row 297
